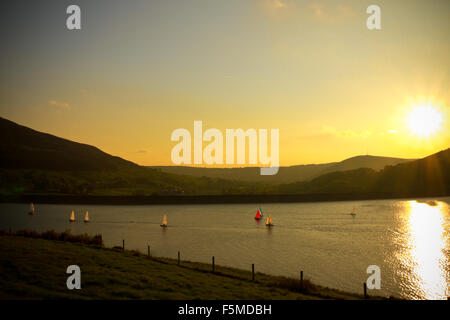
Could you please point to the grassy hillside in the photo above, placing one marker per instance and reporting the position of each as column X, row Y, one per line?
column 250, row 174
column 131, row 181
column 34, row 163
column 429, row 176
column 425, row 177
column 25, row 148
column 36, row 269
column 285, row 174
column 370, row 162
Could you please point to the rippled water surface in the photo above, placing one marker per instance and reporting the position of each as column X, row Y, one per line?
column 409, row 240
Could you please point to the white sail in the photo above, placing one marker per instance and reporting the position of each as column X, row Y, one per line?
column 72, row 216
column 269, row 219
column 164, row 222
column 31, row 208
column 86, row 217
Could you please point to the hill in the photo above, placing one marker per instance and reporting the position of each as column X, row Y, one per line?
column 429, row 176
column 25, row 148
column 33, row 162
column 287, row 174
column 372, row 162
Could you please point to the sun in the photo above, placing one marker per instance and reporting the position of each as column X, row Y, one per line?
column 424, row 121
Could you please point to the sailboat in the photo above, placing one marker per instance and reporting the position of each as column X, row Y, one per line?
column 353, row 214
column 269, row 221
column 86, row 217
column 258, row 215
column 72, row 217
column 164, row 222
column 31, row 211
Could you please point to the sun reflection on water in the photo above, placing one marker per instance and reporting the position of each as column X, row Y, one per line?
column 427, row 244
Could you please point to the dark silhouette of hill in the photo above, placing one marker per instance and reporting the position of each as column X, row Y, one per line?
column 372, row 162
column 25, row 148
column 33, row 163
column 429, row 176
column 286, row 174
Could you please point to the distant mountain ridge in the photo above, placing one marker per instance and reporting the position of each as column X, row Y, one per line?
column 33, row 162
column 286, row 174
column 429, row 176
column 25, row 148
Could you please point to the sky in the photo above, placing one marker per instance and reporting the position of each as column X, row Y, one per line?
column 138, row 70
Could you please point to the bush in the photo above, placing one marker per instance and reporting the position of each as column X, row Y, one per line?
column 65, row 236
column 294, row 285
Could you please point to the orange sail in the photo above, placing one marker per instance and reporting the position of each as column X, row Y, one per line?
column 258, row 215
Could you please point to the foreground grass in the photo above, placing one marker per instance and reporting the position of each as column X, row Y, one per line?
column 34, row 268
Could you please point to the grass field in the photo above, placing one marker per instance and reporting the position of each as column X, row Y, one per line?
column 34, row 268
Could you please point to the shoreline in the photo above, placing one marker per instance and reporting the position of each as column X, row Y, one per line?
column 205, row 199
column 134, row 267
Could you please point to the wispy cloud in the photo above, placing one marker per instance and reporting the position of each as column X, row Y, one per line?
column 278, row 3
column 331, row 14
column 277, row 8
column 62, row 105
column 346, row 133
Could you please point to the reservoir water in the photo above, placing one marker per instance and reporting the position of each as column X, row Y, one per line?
column 408, row 239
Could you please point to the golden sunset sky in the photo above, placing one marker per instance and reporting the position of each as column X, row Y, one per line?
column 137, row 70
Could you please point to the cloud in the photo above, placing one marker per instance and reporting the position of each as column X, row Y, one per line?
column 141, row 151
column 62, row 105
column 318, row 10
column 275, row 4
column 346, row 133
column 278, row 9
column 278, row 4
column 327, row 14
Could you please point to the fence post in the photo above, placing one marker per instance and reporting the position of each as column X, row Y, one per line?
column 365, row 290
column 301, row 280
column 148, row 251
column 123, row 245
column 213, row 264
column 253, row 272
column 178, row 258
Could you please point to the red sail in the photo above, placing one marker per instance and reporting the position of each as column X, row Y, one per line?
column 258, row 215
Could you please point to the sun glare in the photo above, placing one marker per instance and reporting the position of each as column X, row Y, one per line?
column 424, row 121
